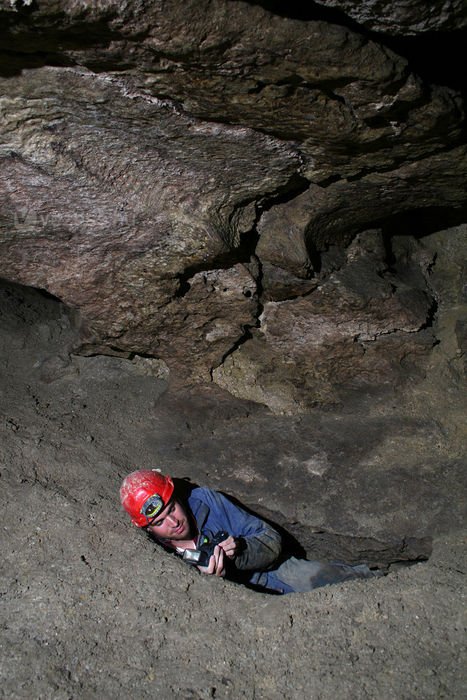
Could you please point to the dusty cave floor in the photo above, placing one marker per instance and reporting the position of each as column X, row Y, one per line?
column 91, row 609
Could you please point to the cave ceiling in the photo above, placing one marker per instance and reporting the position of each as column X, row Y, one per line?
column 220, row 184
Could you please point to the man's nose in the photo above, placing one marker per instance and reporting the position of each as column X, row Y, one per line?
column 172, row 519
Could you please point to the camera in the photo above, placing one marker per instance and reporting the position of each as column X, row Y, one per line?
column 201, row 555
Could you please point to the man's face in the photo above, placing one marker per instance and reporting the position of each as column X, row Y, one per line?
column 172, row 523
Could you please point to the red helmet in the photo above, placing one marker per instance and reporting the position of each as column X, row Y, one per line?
column 144, row 494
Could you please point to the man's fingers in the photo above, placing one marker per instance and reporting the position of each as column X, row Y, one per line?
column 216, row 563
column 229, row 547
column 219, row 560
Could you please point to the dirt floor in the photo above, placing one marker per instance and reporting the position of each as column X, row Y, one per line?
column 92, row 609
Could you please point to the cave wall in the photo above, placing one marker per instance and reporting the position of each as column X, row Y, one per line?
column 223, row 185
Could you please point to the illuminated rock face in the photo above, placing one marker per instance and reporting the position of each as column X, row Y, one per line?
column 224, row 188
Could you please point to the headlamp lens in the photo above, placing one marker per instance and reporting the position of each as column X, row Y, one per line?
column 152, row 507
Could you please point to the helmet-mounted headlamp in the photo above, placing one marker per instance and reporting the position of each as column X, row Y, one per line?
column 152, row 507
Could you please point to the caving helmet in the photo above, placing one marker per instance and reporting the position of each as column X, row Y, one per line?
column 144, row 493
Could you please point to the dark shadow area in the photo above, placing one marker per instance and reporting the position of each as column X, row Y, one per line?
column 12, row 63
column 296, row 185
column 29, row 40
column 437, row 57
column 17, row 297
column 422, row 222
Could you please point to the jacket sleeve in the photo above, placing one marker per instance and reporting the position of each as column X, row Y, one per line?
column 260, row 552
column 260, row 544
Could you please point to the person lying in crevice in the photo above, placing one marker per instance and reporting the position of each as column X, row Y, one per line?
column 208, row 530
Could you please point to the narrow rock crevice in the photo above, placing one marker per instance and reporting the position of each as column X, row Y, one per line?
column 304, row 540
column 235, row 346
column 245, row 250
column 246, row 253
column 297, row 184
column 378, row 552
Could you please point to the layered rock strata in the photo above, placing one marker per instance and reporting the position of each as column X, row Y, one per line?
column 215, row 185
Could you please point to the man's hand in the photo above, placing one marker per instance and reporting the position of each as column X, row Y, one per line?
column 216, row 565
column 230, row 547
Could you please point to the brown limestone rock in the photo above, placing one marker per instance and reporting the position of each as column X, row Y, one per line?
column 165, row 231
column 414, row 17
column 357, row 329
column 321, row 216
column 351, row 103
column 112, row 203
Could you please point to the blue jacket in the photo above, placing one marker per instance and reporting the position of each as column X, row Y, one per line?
column 259, row 563
column 262, row 544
